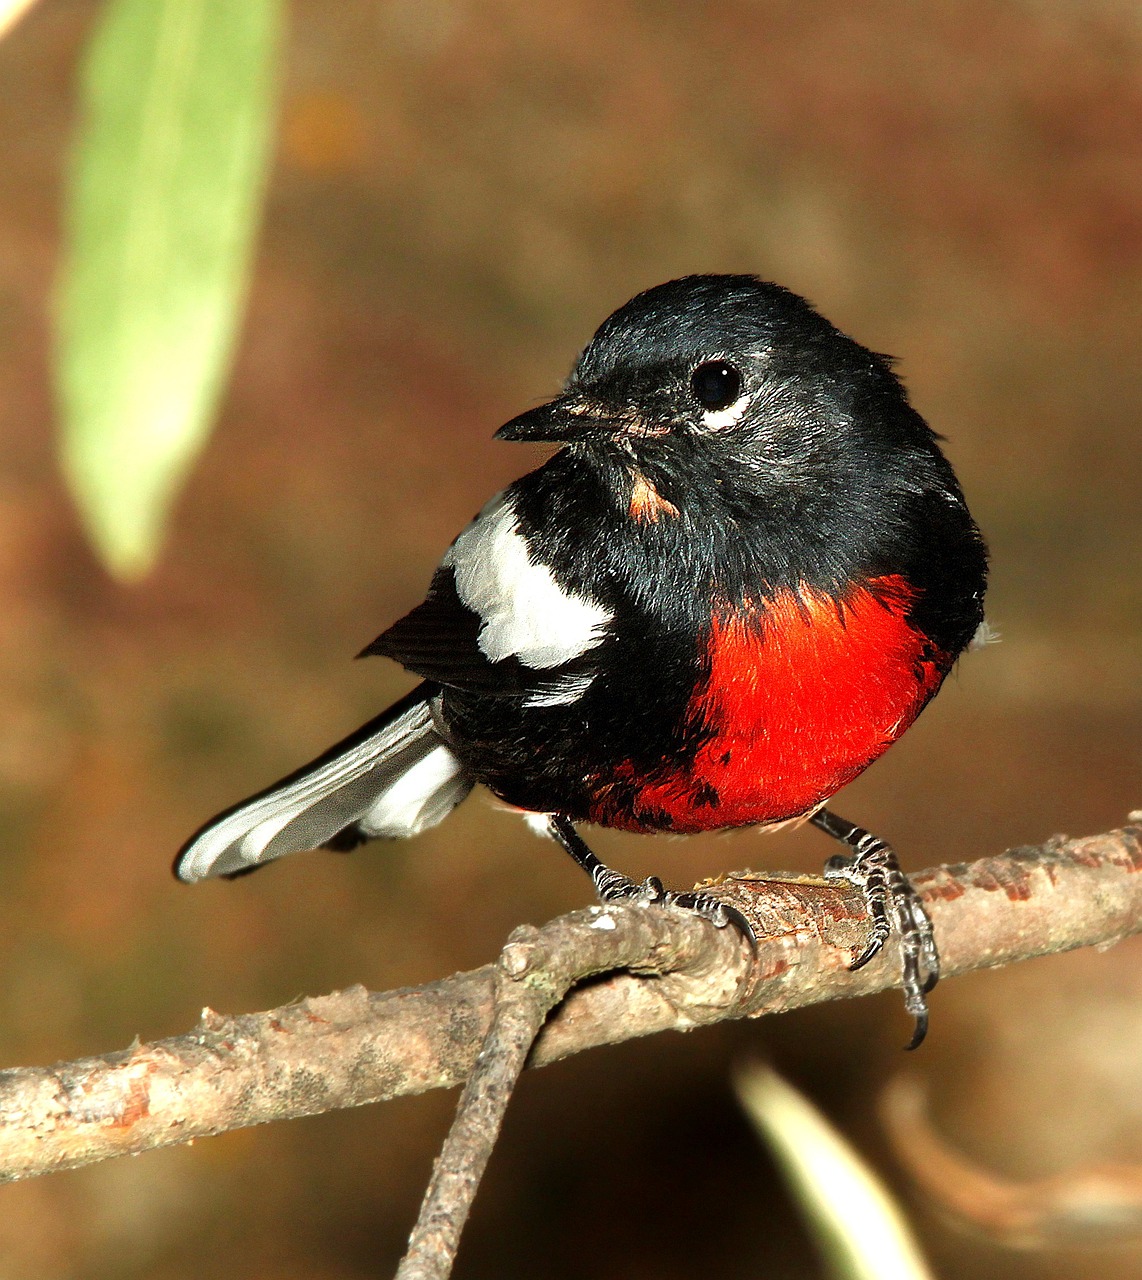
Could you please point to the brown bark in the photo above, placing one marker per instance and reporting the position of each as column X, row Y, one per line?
column 667, row 970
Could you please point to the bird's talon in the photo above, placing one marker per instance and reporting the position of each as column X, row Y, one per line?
column 893, row 906
column 743, row 926
column 719, row 913
column 919, row 1031
column 872, row 948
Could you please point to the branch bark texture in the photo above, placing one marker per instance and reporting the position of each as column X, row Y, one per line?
column 647, row 970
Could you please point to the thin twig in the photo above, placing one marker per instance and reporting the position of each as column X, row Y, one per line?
column 456, row 1175
column 666, row 970
column 530, row 981
column 534, row 973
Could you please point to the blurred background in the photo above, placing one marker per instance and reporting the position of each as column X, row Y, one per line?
column 461, row 193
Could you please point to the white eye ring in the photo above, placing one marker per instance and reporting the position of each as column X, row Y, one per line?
column 719, row 419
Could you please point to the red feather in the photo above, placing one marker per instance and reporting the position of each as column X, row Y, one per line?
column 804, row 692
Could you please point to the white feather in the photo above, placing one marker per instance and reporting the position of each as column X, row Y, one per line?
column 985, row 634
column 240, row 839
column 413, row 801
column 560, row 693
column 525, row 613
column 538, row 824
column 394, row 781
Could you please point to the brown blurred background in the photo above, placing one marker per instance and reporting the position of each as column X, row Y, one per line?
column 462, row 192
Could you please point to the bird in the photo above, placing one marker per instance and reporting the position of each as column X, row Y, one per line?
column 742, row 575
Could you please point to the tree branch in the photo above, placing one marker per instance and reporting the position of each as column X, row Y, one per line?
column 666, row 970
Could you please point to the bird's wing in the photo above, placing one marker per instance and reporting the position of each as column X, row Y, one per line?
column 497, row 621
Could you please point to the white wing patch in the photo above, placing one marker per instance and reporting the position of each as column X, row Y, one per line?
column 560, row 693
column 526, row 614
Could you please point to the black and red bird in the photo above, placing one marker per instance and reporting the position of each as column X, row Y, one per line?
column 739, row 580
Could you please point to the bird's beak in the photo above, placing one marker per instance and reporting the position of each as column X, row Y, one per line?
column 561, row 421
column 575, row 416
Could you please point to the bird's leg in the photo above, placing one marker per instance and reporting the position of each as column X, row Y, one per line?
column 613, row 886
column 891, row 900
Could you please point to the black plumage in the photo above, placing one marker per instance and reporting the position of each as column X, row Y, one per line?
column 748, row 533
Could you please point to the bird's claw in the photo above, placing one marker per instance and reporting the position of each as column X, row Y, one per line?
column 719, row 913
column 616, row 887
column 894, row 904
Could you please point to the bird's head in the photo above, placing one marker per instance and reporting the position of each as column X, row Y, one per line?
column 736, row 375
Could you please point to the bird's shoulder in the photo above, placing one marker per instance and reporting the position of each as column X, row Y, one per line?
column 500, row 616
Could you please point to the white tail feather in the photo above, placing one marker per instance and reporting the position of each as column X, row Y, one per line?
column 395, row 777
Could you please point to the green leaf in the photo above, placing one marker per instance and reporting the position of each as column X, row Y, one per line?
column 178, row 104
column 860, row 1229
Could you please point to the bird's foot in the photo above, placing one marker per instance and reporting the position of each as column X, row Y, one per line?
column 892, row 904
column 613, row 886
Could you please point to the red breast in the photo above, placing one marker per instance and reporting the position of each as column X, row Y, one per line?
column 803, row 692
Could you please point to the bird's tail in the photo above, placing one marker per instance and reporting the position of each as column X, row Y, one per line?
column 394, row 777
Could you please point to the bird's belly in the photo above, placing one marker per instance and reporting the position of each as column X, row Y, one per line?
column 797, row 698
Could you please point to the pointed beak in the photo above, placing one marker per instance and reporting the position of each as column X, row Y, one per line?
column 558, row 422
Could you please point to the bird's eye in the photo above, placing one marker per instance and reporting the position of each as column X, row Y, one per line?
column 715, row 384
